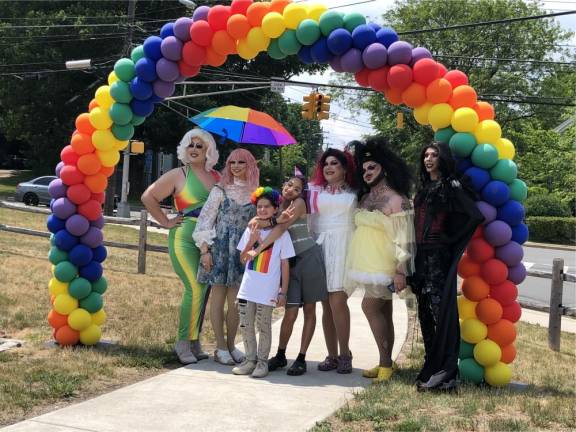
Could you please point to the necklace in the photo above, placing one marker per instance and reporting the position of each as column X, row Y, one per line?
column 337, row 188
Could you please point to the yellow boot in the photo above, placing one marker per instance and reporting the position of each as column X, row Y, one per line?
column 371, row 373
column 384, row 374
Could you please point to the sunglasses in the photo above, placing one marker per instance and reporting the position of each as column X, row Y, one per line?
column 196, row 145
column 236, row 162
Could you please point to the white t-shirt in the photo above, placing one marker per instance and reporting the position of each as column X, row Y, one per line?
column 261, row 280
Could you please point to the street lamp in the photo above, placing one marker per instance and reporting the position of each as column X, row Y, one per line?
column 188, row 3
column 78, row 64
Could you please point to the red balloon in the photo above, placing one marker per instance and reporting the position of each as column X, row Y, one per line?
column 480, row 250
column 71, row 175
column 441, row 70
column 65, row 336
column 503, row 332
column 91, row 210
column 378, row 78
column 425, row 71
column 468, row 267
column 193, row 54
column 187, row 70
column 240, row 6
column 479, row 232
column 400, row 76
column 201, row 34
column 362, row 77
column 456, row 78
column 78, row 193
column 100, row 197
column 512, row 312
column 218, row 16
column 505, row 293
column 494, row 271
column 69, row 155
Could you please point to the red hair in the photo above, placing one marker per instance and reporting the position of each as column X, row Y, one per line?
column 252, row 171
column 345, row 159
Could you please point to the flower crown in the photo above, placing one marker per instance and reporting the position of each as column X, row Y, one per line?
column 267, row 192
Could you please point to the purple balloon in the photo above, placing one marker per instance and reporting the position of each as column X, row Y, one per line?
column 375, row 56
column 351, row 61
column 511, row 253
column 98, row 223
column 63, row 208
column 201, row 13
column 167, row 70
column 164, row 89
column 517, row 273
column 420, row 53
column 182, row 28
column 336, row 65
column 399, row 52
column 57, row 189
column 59, row 168
column 77, row 225
column 489, row 212
column 171, row 48
column 497, row 233
column 93, row 237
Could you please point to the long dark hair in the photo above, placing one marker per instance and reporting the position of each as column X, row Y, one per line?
column 446, row 163
column 345, row 159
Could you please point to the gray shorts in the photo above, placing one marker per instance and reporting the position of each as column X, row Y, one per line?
column 307, row 278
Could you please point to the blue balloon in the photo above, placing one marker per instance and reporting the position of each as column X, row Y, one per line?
column 99, row 253
column 512, row 213
column 462, row 164
column 146, row 69
column 305, row 55
column 52, row 201
column 80, row 255
column 496, row 193
column 362, row 36
column 520, row 233
column 479, row 177
column 155, row 98
column 152, row 47
column 339, row 41
column 141, row 108
column 374, row 26
column 92, row 271
column 64, row 240
column 320, row 52
column 55, row 224
column 141, row 89
column 386, row 36
column 167, row 30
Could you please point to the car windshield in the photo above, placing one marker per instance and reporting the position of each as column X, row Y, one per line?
column 44, row 181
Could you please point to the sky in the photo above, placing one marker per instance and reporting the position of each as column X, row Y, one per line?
column 343, row 126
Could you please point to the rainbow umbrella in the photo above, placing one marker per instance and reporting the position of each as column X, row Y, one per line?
column 244, row 125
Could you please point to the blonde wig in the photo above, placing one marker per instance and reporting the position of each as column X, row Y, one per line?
column 211, row 150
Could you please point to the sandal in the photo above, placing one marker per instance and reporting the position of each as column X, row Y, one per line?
column 223, row 357
column 297, row 368
column 276, row 363
column 329, row 363
column 344, row 364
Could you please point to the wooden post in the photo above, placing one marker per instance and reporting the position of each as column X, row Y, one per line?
column 556, row 308
column 142, row 241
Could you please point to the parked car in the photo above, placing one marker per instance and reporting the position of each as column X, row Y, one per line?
column 35, row 191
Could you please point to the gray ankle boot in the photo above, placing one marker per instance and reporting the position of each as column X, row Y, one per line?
column 184, row 352
column 196, row 349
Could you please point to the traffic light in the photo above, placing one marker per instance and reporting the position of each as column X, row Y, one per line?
column 136, row 147
column 323, row 107
column 308, row 109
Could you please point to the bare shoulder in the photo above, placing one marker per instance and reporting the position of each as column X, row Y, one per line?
column 399, row 203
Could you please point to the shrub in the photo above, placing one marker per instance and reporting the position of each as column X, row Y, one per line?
column 546, row 205
column 552, row 229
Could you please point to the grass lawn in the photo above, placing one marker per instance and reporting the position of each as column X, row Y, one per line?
column 142, row 318
column 10, row 178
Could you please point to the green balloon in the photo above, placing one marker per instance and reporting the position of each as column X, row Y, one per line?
column 79, row 288
column 308, row 32
column 124, row 69
column 120, row 92
column 120, row 113
column 124, row 132
column 288, row 43
column 444, row 135
column 485, row 156
column 353, row 20
column 65, row 271
column 518, row 190
column 462, row 144
column 137, row 53
column 92, row 303
column 52, row 240
column 471, row 371
column 274, row 50
column 137, row 120
column 330, row 21
column 57, row 255
column 504, row 170
column 100, row 285
column 466, row 350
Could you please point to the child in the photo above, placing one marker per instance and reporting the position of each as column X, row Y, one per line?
column 259, row 293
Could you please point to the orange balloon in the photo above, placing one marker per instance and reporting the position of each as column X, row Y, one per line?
column 65, row 336
column 502, row 332
column 83, row 124
column 52, row 298
column 89, row 164
column 223, row 44
column 93, row 104
column 57, row 320
column 439, row 91
column 82, row 143
column 96, row 183
column 489, row 311
column 468, row 267
column 508, row 353
column 484, row 110
column 256, row 12
column 475, row 288
column 414, row 95
column 238, row 26
column 279, row 5
column 107, row 171
column 213, row 58
column 393, row 95
column 463, row 96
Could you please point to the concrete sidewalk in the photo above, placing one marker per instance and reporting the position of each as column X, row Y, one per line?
column 541, row 318
column 207, row 397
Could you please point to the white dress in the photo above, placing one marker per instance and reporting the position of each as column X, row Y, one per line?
column 332, row 222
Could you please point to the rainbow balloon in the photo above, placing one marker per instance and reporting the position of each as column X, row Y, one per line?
column 440, row 98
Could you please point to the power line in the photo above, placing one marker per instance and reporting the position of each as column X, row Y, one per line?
column 61, row 26
column 545, row 62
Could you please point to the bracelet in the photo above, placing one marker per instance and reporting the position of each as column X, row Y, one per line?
column 282, row 294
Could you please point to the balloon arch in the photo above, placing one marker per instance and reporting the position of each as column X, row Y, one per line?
column 442, row 99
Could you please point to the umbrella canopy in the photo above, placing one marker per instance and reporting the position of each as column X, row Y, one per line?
column 244, row 125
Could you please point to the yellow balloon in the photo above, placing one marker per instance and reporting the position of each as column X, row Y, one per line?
column 257, row 40
column 487, row 353
column 120, row 145
column 245, row 51
column 91, row 335
column 488, row 132
column 273, row 24
column 421, row 113
column 56, row 287
column 64, row 304
column 498, row 375
column 112, row 78
column 103, row 97
column 79, row 319
column 464, row 120
column 108, row 158
column 294, row 14
column 100, row 119
column 440, row 115
column 103, row 140
column 316, row 10
column 466, row 308
column 99, row 317
column 505, row 149
column 473, row 330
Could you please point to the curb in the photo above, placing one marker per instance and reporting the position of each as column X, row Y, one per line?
column 550, row 246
